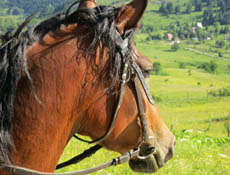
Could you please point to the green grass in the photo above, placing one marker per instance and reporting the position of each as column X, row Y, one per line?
column 185, row 106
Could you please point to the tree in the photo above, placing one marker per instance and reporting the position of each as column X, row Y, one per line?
column 208, row 16
column 17, row 11
column 189, row 8
column 162, row 8
column 222, row 6
column 220, row 54
column 49, row 9
column 210, row 2
column 220, row 44
column 156, row 68
column 217, row 27
column 226, row 30
column 198, row 5
column 213, row 66
column 170, row 7
column 177, row 9
column 209, row 67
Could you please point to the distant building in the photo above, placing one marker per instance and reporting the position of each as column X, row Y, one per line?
column 176, row 41
column 199, row 24
column 168, row 36
column 194, row 30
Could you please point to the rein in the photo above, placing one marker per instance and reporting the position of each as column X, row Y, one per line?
column 119, row 160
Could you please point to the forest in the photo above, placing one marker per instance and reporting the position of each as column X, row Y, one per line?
column 213, row 10
column 17, row 7
column 190, row 80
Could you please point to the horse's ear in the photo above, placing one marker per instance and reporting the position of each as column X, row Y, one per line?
column 130, row 15
column 87, row 4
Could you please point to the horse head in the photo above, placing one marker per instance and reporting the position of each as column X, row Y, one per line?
column 75, row 67
column 127, row 132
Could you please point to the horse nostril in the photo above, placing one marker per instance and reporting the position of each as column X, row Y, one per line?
column 169, row 155
column 174, row 142
column 146, row 153
column 150, row 150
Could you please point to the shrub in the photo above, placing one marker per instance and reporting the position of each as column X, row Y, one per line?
column 228, row 67
column 147, row 29
column 220, row 54
column 156, row 98
column 209, row 67
column 223, row 92
column 175, row 47
column 212, row 66
column 182, row 65
column 153, row 37
column 156, row 68
column 156, row 37
column 220, row 44
column 189, row 72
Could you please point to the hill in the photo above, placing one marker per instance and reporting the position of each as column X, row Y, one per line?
column 14, row 11
column 190, row 82
column 17, row 7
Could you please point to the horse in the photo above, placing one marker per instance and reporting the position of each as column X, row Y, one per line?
column 65, row 76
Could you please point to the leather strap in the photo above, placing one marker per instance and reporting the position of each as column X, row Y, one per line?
column 141, row 110
column 142, row 80
column 119, row 160
column 79, row 158
column 121, row 95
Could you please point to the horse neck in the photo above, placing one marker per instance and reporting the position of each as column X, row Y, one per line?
column 41, row 131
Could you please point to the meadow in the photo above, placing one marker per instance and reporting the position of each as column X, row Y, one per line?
column 199, row 121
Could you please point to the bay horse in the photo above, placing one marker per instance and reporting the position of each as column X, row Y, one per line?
column 63, row 76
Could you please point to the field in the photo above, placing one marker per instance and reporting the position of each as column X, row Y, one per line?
column 198, row 120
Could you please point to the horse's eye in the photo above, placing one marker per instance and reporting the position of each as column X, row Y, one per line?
column 146, row 73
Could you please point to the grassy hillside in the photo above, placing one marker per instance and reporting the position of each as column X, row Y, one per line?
column 199, row 119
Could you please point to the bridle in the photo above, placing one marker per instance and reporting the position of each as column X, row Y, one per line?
column 130, row 72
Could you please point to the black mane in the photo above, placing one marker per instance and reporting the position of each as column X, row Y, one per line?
column 13, row 58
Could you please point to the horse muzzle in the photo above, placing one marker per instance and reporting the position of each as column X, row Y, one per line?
column 151, row 157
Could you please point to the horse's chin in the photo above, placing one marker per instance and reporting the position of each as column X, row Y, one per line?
column 149, row 165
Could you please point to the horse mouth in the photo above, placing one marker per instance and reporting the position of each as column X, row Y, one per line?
column 149, row 165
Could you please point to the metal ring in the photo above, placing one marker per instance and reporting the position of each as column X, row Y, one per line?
column 143, row 157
